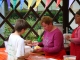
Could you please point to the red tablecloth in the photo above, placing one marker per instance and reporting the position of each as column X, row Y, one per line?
column 34, row 56
column 3, row 54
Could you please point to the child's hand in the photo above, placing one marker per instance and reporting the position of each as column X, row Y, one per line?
column 34, row 43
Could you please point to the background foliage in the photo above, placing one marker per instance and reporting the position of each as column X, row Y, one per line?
column 31, row 20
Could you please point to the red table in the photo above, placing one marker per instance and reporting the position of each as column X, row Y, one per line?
column 3, row 54
column 32, row 56
column 35, row 56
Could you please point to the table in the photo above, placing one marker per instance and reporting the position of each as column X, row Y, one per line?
column 32, row 56
column 35, row 56
column 3, row 54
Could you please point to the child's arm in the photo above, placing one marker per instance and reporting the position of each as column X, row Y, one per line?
column 23, row 57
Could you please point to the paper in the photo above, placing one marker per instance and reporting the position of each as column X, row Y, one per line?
column 47, row 3
column 0, row 3
column 14, row 3
column 29, row 3
column 58, row 2
column 21, row 4
column 70, row 3
column 8, row 2
column 37, row 3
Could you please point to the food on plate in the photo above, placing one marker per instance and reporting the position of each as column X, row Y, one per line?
column 37, row 47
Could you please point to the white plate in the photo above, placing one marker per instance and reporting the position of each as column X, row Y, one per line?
column 52, row 59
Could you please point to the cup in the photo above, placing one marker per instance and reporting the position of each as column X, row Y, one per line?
column 65, row 35
column 28, row 50
column 69, row 57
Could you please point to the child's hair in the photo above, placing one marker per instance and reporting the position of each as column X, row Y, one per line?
column 21, row 24
column 47, row 20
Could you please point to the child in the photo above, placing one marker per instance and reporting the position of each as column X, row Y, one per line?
column 16, row 42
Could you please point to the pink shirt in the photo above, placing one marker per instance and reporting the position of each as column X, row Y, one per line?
column 52, row 41
column 76, row 40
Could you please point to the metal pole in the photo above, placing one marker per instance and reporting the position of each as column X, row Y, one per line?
column 65, row 15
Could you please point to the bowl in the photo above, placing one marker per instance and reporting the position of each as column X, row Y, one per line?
column 69, row 57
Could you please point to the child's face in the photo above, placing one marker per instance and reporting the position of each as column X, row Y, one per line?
column 23, row 30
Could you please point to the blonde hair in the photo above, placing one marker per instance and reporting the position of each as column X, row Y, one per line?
column 46, row 20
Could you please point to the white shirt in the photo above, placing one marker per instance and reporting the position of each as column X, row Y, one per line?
column 15, row 47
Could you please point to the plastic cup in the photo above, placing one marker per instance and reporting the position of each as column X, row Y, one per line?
column 69, row 57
